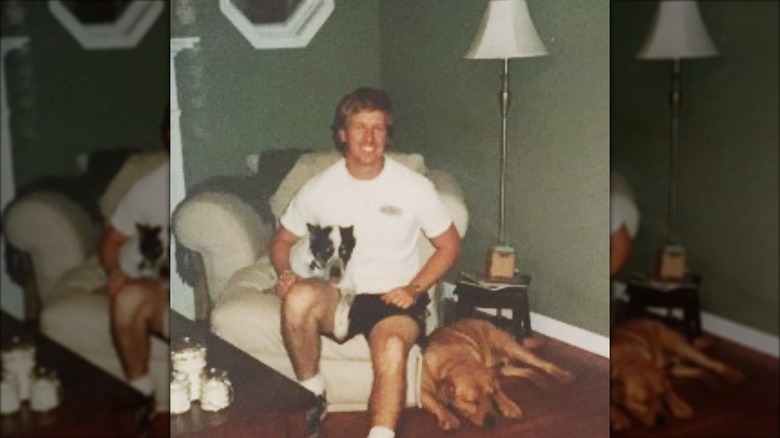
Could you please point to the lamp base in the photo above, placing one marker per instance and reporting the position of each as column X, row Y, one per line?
column 500, row 263
column 671, row 262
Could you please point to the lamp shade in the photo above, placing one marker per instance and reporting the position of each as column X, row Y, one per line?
column 677, row 32
column 506, row 31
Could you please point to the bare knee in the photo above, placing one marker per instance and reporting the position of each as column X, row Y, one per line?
column 300, row 302
column 129, row 304
column 390, row 351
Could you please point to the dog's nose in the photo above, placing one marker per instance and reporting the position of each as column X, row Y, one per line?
column 490, row 421
column 335, row 273
column 660, row 421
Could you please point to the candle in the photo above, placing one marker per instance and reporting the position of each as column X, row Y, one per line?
column 19, row 360
column 180, row 393
column 9, row 395
column 190, row 359
column 217, row 392
column 46, row 391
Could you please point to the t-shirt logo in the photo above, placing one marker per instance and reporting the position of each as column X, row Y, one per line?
column 391, row 210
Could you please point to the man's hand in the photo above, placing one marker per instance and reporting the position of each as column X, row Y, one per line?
column 116, row 279
column 403, row 297
column 286, row 280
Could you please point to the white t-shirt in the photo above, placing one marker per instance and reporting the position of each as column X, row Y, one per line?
column 622, row 207
column 388, row 212
column 147, row 202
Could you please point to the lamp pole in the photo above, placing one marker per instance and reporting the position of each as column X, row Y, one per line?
column 504, row 99
column 675, row 97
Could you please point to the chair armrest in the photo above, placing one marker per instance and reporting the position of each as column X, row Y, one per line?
column 225, row 231
column 57, row 234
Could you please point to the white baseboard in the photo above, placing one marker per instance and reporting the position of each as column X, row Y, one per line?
column 740, row 334
column 732, row 331
column 580, row 338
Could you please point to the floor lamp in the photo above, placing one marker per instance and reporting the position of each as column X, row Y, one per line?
column 506, row 32
column 677, row 33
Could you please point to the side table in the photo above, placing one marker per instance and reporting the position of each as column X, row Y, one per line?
column 513, row 296
column 683, row 294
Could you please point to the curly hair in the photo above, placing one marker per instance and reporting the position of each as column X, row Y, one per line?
column 360, row 99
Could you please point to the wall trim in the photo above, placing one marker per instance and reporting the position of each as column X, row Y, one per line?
column 741, row 334
column 575, row 336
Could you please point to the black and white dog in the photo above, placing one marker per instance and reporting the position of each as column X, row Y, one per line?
column 145, row 255
column 325, row 255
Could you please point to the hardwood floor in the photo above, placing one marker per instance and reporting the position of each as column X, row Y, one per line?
column 578, row 409
column 748, row 409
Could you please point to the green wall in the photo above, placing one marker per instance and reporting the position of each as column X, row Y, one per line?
column 558, row 139
column 728, row 185
column 66, row 100
column 237, row 100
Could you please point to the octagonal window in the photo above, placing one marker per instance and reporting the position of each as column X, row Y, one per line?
column 276, row 24
column 268, row 11
column 113, row 24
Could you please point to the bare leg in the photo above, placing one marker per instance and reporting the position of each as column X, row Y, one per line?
column 307, row 312
column 390, row 341
column 137, row 311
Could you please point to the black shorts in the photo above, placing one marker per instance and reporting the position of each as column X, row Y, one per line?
column 368, row 309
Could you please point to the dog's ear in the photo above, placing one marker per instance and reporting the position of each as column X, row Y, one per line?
column 445, row 391
column 311, row 228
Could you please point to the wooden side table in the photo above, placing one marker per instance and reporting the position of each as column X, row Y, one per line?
column 513, row 296
column 644, row 293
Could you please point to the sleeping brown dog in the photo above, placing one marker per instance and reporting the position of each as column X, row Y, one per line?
column 461, row 366
column 644, row 354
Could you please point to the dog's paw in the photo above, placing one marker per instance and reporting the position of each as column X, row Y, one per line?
column 562, row 376
column 510, row 410
column 448, row 421
column 678, row 407
column 619, row 422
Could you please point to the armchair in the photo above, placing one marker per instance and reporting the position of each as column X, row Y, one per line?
column 230, row 232
column 53, row 230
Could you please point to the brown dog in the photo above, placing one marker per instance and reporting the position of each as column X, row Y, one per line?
column 461, row 366
column 643, row 355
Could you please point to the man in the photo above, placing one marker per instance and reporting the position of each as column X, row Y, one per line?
column 139, row 307
column 389, row 206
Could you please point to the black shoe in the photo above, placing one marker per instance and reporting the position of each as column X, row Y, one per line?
column 315, row 415
column 144, row 416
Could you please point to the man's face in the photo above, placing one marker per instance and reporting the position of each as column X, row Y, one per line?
column 365, row 138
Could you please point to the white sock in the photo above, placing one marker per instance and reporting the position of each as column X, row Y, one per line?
column 314, row 384
column 145, row 384
column 381, row 432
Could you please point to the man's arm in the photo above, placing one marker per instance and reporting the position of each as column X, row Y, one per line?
column 619, row 249
column 110, row 246
column 281, row 245
column 447, row 251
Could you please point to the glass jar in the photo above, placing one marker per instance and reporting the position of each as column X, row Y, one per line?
column 180, row 393
column 189, row 358
column 217, row 391
column 18, row 355
column 46, row 391
column 9, row 394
